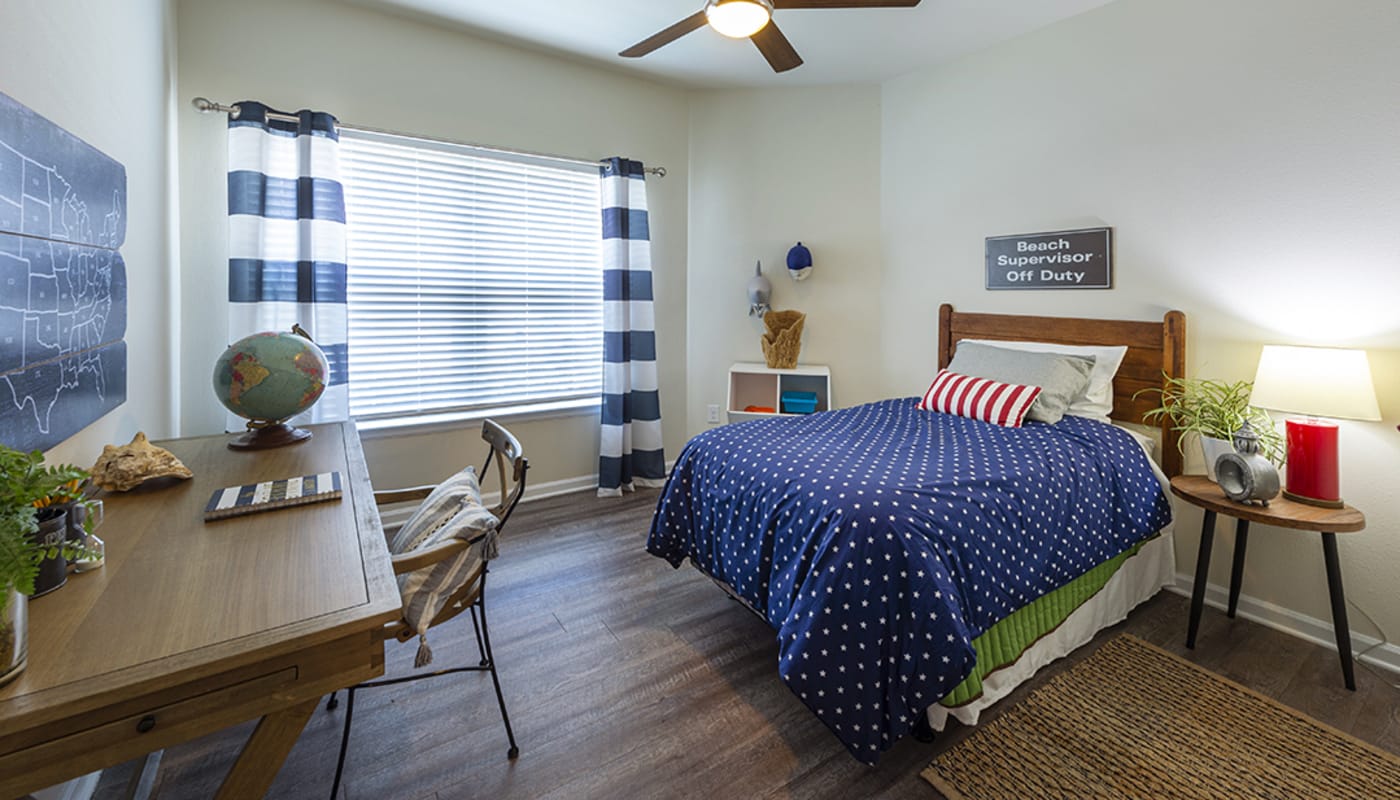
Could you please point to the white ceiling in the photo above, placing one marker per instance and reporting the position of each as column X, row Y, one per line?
column 837, row 46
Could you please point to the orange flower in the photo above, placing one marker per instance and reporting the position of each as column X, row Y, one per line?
column 66, row 493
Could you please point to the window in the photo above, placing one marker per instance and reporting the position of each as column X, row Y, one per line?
column 474, row 279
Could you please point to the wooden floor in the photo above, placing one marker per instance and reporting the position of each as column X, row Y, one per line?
column 625, row 678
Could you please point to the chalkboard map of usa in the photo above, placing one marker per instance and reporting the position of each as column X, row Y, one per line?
column 62, row 281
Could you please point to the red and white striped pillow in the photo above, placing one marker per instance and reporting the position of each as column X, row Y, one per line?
column 979, row 398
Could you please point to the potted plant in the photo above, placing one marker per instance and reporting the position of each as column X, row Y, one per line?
column 1214, row 410
column 26, row 486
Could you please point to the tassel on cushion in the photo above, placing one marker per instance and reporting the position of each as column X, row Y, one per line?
column 489, row 549
column 425, row 653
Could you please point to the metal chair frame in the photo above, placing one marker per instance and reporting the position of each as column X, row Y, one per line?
column 471, row 596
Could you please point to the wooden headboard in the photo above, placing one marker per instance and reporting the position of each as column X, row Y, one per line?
column 1154, row 348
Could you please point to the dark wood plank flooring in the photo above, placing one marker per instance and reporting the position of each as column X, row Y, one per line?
column 625, row 678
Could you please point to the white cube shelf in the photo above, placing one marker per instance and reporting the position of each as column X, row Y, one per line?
column 760, row 385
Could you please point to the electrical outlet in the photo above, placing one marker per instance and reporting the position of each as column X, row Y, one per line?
column 712, row 412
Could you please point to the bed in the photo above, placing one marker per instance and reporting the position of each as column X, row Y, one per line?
column 918, row 566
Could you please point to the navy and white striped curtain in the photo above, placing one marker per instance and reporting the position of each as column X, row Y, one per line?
column 286, row 237
column 631, row 453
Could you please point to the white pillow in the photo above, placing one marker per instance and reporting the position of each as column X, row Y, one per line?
column 1096, row 401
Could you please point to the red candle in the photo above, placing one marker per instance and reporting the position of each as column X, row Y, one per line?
column 1312, row 460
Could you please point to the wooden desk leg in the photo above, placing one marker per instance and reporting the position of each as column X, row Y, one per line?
column 1339, row 607
column 1198, row 590
column 1237, row 568
column 265, row 751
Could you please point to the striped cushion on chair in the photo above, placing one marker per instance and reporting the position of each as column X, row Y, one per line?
column 424, row 592
column 451, row 496
column 991, row 401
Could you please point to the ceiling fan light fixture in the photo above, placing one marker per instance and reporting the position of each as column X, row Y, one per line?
column 738, row 19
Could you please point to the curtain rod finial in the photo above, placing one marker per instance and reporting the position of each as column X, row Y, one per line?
column 205, row 105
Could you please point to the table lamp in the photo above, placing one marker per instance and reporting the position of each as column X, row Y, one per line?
column 1319, row 382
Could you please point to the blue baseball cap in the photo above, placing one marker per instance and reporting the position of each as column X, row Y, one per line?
column 799, row 262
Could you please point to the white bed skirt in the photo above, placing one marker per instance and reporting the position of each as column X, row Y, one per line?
column 1140, row 577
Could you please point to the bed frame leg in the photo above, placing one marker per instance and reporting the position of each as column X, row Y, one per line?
column 923, row 731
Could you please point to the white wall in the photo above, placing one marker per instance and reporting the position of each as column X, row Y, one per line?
column 387, row 72
column 769, row 168
column 1247, row 154
column 103, row 72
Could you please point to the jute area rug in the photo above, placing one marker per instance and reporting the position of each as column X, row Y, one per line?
column 1134, row 721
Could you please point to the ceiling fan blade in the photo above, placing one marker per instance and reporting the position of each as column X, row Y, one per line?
column 691, row 23
column 776, row 48
column 779, row 4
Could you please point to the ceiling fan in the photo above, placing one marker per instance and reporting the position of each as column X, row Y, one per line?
column 752, row 19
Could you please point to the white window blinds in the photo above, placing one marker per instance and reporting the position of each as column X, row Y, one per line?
column 475, row 279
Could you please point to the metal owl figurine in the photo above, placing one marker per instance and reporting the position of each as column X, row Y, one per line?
column 1245, row 475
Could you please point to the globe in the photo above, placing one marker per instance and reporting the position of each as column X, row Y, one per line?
column 270, row 377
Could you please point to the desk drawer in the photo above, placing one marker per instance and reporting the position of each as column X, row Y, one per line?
column 35, row 753
column 124, row 733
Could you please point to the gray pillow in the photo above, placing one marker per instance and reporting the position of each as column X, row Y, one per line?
column 1061, row 377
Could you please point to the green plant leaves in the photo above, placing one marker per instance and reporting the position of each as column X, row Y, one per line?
column 25, row 481
column 1214, row 408
column 19, row 556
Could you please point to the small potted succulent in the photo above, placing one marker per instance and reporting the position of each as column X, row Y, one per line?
column 1214, row 411
column 27, row 490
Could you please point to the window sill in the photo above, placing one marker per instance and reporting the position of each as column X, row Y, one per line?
column 457, row 420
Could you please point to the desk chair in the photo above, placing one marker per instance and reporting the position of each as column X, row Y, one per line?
column 441, row 555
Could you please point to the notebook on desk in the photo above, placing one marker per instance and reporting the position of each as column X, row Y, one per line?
column 282, row 493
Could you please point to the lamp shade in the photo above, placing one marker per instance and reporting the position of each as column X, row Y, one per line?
column 738, row 19
column 1317, row 381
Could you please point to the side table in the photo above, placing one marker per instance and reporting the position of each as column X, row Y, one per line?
column 1281, row 513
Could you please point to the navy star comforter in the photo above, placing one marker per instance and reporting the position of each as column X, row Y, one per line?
column 880, row 540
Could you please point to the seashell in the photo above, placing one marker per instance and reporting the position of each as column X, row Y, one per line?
column 121, row 469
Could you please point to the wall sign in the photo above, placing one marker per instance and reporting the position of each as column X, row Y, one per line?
column 1081, row 259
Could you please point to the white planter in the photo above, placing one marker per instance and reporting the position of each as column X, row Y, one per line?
column 14, row 636
column 1213, row 448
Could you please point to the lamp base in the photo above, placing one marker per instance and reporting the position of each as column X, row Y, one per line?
column 1313, row 501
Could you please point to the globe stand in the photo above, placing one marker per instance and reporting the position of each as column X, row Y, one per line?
column 267, row 435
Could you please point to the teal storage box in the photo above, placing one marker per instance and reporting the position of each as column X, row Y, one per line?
column 799, row 402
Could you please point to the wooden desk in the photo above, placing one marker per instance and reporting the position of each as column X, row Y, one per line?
column 193, row 627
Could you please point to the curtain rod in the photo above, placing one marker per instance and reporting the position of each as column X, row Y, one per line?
column 206, row 105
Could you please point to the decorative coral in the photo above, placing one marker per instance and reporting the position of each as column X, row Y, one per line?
column 783, row 341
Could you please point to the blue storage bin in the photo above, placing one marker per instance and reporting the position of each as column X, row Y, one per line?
column 799, row 402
